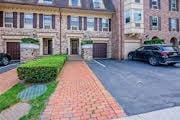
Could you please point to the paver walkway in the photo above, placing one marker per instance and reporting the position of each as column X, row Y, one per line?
column 15, row 112
column 7, row 80
column 80, row 95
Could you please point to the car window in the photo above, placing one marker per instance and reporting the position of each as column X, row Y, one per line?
column 140, row 49
column 148, row 48
column 169, row 48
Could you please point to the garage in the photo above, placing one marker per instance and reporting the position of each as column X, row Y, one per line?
column 100, row 50
column 13, row 49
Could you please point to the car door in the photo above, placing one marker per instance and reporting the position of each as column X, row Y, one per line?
column 139, row 53
column 147, row 52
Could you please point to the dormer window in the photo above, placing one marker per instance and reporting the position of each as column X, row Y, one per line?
column 75, row 3
column 98, row 4
column 46, row 1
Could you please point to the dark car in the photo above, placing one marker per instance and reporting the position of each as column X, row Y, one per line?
column 4, row 59
column 156, row 54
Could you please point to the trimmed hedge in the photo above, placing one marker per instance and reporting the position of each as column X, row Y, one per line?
column 154, row 41
column 41, row 70
column 30, row 41
column 85, row 42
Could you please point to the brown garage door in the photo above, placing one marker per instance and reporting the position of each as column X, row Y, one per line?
column 13, row 49
column 99, row 50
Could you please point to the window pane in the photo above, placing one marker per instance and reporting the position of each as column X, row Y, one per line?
column 74, row 23
column 90, row 24
column 28, row 20
column 47, row 21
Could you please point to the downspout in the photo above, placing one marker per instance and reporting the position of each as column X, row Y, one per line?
column 60, row 27
column 121, row 32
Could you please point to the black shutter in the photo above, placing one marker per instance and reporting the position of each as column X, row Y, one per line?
column 159, row 4
column 177, row 25
column 150, row 22
column 169, row 24
column 159, row 24
column 21, row 20
column 110, row 24
column 169, row 5
column 40, row 21
column 95, row 24
column 53, row 21
column 1, row 18
column 15, row 19
column 34, row 20
column 85, row 23
column 100, row 24
column 150, row 3
column 80, row 23
column 68, row 22
column 177, row 3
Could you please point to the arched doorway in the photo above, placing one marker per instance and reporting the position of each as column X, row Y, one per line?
column 154, row 38
column 174, row 42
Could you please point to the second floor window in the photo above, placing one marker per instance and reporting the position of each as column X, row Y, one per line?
column 47, row 21
column 137, row 16
column 90, row 24
column 98, row 4
column 75, row 3
column 173, row 24
column 74, row 23
column 173, row 5
column 155, row 23
column 8, row 19
column 28, row 21
column 127, row 16
column 105, row 24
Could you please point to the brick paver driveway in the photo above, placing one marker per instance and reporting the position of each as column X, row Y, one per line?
column 80, row 95
column 138, row 86
column 7, row 80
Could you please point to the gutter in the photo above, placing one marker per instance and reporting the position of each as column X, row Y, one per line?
column 60, row 27
column 121, row 32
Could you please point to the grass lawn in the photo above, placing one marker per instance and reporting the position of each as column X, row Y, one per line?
column 10, row 97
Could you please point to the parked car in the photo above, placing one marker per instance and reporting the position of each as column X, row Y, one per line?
column 156, row 54
column 4, row 59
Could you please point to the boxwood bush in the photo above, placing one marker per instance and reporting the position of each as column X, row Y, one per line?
column 154, row 41
column 44, row 69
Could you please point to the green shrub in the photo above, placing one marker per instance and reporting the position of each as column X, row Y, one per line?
column 85, row 42
column 41, row 70
column 154, row 41
column 30, row 41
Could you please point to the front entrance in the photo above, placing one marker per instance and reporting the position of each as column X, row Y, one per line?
column 74, row 46
column 13, row 49
column 47, row 46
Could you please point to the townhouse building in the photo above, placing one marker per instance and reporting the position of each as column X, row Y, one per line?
column 141, row 20
column 59, row 25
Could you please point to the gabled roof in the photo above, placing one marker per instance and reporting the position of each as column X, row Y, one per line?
column 85, row 4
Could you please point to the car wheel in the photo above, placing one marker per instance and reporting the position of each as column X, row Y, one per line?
column 5, row 61
column 153, row 61
column 130, row 57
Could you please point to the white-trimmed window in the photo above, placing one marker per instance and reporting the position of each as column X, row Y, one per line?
column 47, row 21
column 90, row 24
column 155, row 4
column 127, row 16
column 105, row 24
column 46, row 1
column 98, row 4
column 75, row 3
column 28, row 21
column 8, row 19
column 74, row 23
column 173, row 25
column 173, row 5
column 155, row 22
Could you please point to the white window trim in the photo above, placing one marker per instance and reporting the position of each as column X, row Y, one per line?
column 74, row 25
column 79, row 3
column 44, row 22
column 101, row 4
column 155, row 27
column 4, row 22
column 90, row 28
column 155, row 6
column 105, row 27
column 172, row 28
column 173, row 8
column 28, row 26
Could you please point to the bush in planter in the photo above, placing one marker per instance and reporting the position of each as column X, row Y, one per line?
column 30, row 41
column 154, row 41
column 41, row 70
